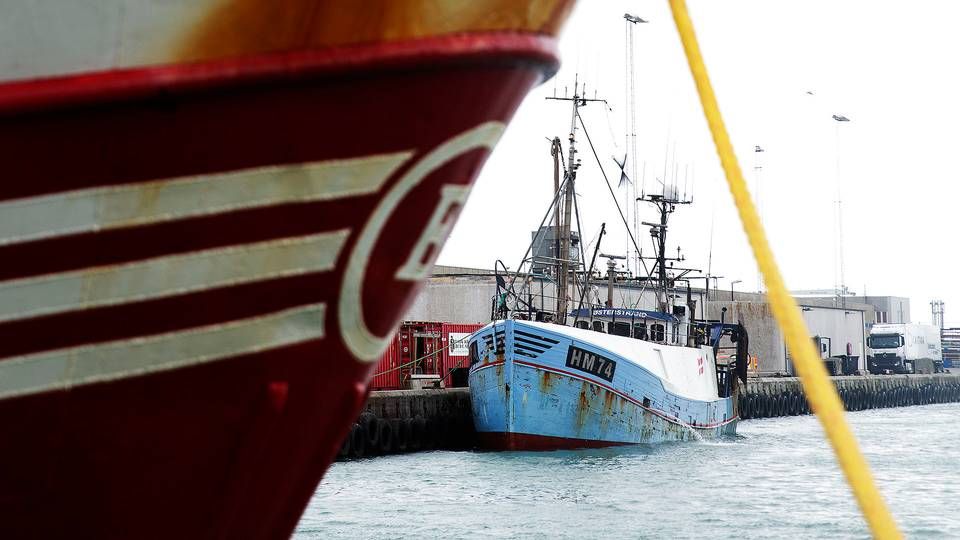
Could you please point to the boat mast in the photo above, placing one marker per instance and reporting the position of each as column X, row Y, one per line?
column 567, row 208
column 573, row 163
column 555, row 152
column 666, row 205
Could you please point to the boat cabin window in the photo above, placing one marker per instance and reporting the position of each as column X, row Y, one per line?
column 620, row 329
column 474, row 354
column 657, row 332
column 598, row 326
column 640, row 331
column 583, row 324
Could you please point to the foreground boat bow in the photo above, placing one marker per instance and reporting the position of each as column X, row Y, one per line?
column 203, row 259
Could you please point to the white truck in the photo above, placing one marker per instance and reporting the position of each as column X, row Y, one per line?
column 904, row 348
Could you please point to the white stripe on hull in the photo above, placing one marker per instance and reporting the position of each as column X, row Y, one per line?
column 169, row 275
column 111, row 207
column 67, row 368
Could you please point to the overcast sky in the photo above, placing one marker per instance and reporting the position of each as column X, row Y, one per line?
column 888, row 66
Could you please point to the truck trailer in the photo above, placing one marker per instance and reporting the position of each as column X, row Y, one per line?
column 904, row 348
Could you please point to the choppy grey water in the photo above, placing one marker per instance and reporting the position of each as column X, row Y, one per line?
column 776, row 479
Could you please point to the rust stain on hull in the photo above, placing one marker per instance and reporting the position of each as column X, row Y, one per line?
column 242, row 27
column 583, row 406
column 546, row 382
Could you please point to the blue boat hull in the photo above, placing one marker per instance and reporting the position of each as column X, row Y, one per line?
column 526, row 395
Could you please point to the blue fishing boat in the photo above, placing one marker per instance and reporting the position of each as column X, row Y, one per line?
column 548, row 376
column 538, row 386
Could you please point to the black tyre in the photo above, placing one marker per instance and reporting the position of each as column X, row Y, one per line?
column 368, row 422
column 399, row 435
column 421, row 433
column 413, row 437
column 344, row 452
column 358, row 442
column 385, row 437
column 449, row 436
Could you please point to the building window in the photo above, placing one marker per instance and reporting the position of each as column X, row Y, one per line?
column 881, row 317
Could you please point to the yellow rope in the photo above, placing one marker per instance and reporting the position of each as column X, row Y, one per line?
column 819, row 390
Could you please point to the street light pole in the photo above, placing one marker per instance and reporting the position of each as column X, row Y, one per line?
column 732, row 283
column 757, row 168
column 839, row 118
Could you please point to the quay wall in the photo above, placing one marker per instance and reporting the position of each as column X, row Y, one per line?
column 400, row 421
column 766, row 397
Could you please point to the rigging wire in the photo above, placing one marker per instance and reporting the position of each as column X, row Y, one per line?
column 614, row 196
column 813, row 375
column 539, row 231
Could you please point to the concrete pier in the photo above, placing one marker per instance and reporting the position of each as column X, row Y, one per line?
column 783, row 396
column 399, row 421
column 402, row 421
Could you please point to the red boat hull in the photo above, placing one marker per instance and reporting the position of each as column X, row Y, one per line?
column 161, row 402
column 525, row 441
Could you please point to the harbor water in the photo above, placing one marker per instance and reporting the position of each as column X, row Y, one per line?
column 776, row 479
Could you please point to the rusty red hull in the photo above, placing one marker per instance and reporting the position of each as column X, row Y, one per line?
column 214, row 255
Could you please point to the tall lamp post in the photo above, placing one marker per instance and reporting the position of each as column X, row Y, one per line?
column 732, row 283
column 839, row 119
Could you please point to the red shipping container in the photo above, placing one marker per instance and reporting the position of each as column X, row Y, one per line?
column 387, row 375
column 455, row 342
column 423, row 348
